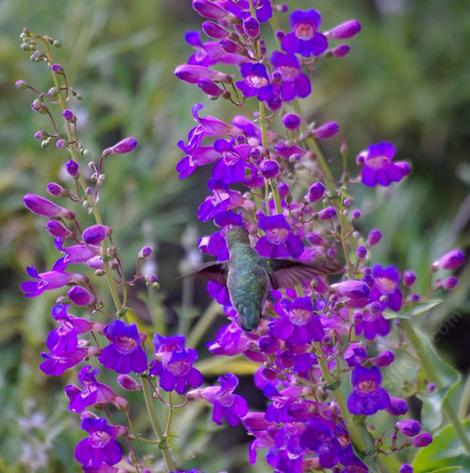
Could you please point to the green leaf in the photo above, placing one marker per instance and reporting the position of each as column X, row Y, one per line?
column 421, row 308
column 449, row 383
column 424, row 306
column 445, row 454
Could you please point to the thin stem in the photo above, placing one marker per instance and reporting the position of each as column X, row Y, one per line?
column 156, row 426
column 465, row 400
column 354, row 433
column 433, row 376
column 81, row 182
column 203, row 324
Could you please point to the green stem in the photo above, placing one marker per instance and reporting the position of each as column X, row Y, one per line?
column 353, row 431
column 156, row 426
column 433, row 376
column 465, row 400
column 96, row 213
column 203, row 324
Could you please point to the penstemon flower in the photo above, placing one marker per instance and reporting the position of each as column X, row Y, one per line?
column 319, row 322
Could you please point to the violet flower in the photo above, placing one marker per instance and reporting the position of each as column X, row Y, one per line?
column 367, row 396
column 304, row 37
column 125, row 353
column 174, row 364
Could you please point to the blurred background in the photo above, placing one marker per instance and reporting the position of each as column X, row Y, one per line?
column 407, row 81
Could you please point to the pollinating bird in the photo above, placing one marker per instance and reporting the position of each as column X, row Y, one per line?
column 249, row 277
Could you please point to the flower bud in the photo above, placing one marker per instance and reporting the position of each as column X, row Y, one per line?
column 80, row 296
column 326, row 130
column 209, row 9
column 41, row 206
column 72, row 168
column 384, row 359
column 210, row 88
column 251, row 27
column 450, row 283
column 21, row 84
column 57, row 68
column 269, row 168
column 409, row 278
column 57, row 230
column 124, row 146
column 397, row 407
column 328, row 213
column 145, row 252
column 213, row 30
column 128, row 383
column 356, row 214
column 341, row 51
column 291, row 121
column 315, row 192
column 192, row 74
column 345, row 30
column 352, row 289
column 55, row 189
column 60, row 143
column 230, row 46
column 408, row 427
column 68, row 115
column 95, row 234
column 361, row 251
column 374, row 237
column 406, row 468
column 422, row 440
column 451, row 260
column 39, row 135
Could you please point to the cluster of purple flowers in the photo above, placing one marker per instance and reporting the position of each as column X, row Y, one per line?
column 274, row 182
column 314, row 334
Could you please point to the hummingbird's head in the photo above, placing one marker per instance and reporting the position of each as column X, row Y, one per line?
column 235, row 234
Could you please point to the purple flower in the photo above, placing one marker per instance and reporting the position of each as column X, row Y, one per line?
column 397, row 407
column 95, row 234
column 291, row 121
column 304, row 38
column 93, row 393
column 406, row 468
column 100, row 447
column 355, row 354
column 72, row 168
column 50, row 280
column 174, row 364
column 293, row 82
column 371, row 324
column 193, row 74
column 408, row 427
column 422, row 440
column 80, row 296
column 256, row 81
column 319, row 436
column 451, row 260
column 279, row 241
column 374, row 237
column 40, row 206
column 315, row 191
column 65, row 350
column 347, row 29
column 127, row 145
column 367, row 397
column 387, row 283
column 357, row 292
column 327, row 130
column 227, row 405
column 298, row 324
column 125, row 353
column 378, row 166
column 57, row 229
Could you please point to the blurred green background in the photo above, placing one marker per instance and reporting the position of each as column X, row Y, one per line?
column 407, row 81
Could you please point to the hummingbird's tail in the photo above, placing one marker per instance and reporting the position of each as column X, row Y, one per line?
column 249, row 315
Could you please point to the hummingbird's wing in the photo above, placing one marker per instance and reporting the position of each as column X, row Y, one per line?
column 213, row 271
column 289, row 273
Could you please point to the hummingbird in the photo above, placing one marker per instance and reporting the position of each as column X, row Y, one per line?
column 249, row 277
